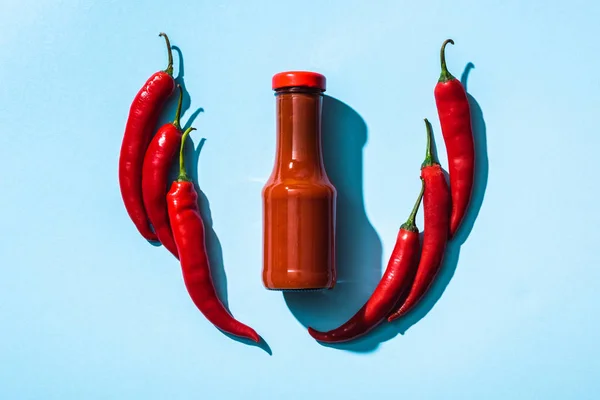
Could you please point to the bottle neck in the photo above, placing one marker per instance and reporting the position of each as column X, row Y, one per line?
column 299, row 154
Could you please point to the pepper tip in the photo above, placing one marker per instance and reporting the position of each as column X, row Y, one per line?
column 315, row 334
column 255, row 337
column 396, row 315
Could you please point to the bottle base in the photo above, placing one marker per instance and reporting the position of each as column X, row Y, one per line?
column 299, row 290
column 294, row 280
column 300, row 287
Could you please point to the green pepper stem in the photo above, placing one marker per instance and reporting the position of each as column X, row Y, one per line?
column 429, row 157
column 169, row 69
column 177, row 120
column 410, row 225
column 445, row 75
column 182, row 172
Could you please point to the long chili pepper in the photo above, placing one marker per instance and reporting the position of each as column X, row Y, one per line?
column 188, row 231
column 143, row 116
column 396, row 279
column 155, row 175
column 455, row 120
column 436, row 213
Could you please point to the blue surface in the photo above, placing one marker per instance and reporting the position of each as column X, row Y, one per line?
column 89, row 310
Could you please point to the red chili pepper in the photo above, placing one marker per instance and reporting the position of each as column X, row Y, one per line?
column 143, row 116
column 396, row 279
column 436, row 212
column 188, row 231
column 455, row 120
column 157, row 164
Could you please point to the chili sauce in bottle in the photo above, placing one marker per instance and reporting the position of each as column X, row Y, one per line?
column 298, row 199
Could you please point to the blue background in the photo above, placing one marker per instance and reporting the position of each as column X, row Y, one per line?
column 89, row 310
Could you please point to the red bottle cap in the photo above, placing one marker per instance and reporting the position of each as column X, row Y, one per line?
column 299, row 78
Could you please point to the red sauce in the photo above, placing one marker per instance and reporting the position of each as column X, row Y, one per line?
column 298, row 199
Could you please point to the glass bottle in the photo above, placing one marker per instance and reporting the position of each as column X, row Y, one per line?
column 298, row 199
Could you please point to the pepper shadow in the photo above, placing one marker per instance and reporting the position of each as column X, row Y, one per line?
column 212, row 242
column 358, row 246
column 168, row 113
column 453, row 248
column 214, row 249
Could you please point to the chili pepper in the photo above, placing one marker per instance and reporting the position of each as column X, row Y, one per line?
column 455, row 120
column 188, row 231
column 436, row 214
column 396, row 279
column 155, row 174
column 143, row 116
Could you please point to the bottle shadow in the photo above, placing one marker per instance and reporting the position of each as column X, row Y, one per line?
column 214, row 249
column 453, row 248
column 358, row 247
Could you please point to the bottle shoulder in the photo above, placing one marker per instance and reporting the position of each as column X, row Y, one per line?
column 290, row 187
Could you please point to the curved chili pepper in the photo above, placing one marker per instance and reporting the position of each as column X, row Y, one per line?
column 396, row 279
column 455, row 120
column 143, row 116
column 155, row 175
column 436, row 212
column 188, row 231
